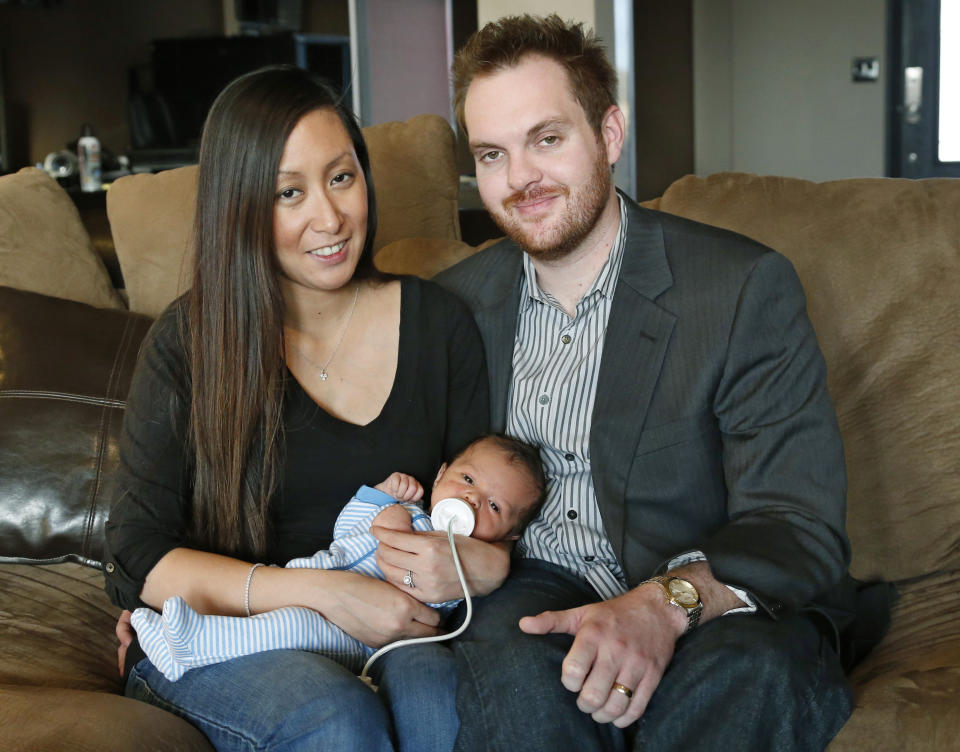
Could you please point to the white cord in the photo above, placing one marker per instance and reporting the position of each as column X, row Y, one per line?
column 435, row 638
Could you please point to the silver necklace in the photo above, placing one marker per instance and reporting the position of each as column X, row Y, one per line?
column 343, row 333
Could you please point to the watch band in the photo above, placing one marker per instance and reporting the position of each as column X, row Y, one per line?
column 681, row 594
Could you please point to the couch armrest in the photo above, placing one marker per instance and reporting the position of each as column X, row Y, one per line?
column 65, row 369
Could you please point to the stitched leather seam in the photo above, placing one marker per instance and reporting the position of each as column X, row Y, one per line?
column 65, row 396
column 65, row 559
column 105, row 418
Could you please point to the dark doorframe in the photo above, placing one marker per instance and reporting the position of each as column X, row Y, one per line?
column 913, row 125
column 663, row 100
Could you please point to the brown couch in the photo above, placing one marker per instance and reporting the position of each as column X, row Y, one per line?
column 880, row 260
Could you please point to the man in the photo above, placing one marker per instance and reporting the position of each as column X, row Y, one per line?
column 672, row 378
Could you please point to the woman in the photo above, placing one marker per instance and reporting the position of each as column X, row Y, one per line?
column 289, row 375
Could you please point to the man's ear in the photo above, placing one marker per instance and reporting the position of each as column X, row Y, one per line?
column 440, row 473
column 613, row 131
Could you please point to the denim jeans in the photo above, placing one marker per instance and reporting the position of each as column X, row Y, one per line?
column 294, row 700
column 740, row 682
column 418, row 683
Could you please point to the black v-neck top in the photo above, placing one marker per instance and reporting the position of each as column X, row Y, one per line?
column 438, row 403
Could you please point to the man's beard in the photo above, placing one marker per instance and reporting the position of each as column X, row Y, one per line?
column 583, row 210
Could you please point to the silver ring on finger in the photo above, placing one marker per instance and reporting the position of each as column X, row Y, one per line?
column 408, row 581
column 622, row 689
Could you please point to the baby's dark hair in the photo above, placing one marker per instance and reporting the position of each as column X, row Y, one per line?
column 527, row 456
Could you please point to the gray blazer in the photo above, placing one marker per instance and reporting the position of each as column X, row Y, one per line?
column 712, row 427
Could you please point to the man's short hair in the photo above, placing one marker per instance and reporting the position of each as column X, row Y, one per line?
column 504, row 43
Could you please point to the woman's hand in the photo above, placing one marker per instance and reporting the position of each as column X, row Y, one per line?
column 373, row 611
column 427, row 557
column 126, row 635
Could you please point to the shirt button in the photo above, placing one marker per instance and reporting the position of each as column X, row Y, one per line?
column 543, row 399
column 566, row 339
column 109, row 567
column 572, row 514
column 569, row 457
column 589, row 558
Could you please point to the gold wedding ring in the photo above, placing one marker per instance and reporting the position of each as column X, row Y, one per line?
column 622, row 689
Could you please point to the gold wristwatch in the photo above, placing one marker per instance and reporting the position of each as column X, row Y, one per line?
column 681, row 594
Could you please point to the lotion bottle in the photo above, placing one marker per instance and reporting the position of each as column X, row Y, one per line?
column 88, row 155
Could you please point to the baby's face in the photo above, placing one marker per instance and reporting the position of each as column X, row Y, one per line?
column 496, row 489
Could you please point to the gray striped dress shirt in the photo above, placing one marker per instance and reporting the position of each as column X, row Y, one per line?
column 556, row 362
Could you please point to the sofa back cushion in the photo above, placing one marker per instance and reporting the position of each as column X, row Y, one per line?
column 880, row 262
column 65, row 369
column 417, row 188
column 44, row 246
column 150, row 219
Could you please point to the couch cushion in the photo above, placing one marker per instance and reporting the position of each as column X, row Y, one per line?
column 416, row 179
column 880, row 262
column 47, row 719
column 908, row 689
column 57, row 628
column 151, row 218
column 44, row 246
column 65, row 369
column 414, row 172
column 422, row 257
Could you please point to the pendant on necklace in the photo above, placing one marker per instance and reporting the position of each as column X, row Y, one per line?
column 343, row 333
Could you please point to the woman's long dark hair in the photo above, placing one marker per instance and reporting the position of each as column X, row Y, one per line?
column 235, row 307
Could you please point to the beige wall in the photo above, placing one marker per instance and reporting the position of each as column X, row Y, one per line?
column 772, row 89
column 407, row 53
column 571, row 10
column 773, row 92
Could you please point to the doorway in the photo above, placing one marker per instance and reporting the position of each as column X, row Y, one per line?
column 925, row 88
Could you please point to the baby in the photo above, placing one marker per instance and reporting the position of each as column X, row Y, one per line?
column 500, row 478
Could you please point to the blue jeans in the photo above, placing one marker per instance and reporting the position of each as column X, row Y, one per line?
column 740, row 682
column 294, row 700
column 419, row 685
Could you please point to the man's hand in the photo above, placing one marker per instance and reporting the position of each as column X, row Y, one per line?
column 125, row 634
column 628, row 640
column 402, row 487
column 428, row 558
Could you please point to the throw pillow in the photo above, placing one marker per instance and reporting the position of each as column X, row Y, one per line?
column 44, row 246
column 151, row 218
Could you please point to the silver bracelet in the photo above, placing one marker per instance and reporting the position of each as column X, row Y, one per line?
column 246, row 589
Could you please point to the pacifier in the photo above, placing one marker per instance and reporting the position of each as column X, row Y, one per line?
column 453, row 512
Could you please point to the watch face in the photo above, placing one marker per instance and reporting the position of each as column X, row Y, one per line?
column 684, row 593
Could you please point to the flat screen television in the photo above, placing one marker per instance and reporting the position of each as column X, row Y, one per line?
column 259, row 16
column 188, row 74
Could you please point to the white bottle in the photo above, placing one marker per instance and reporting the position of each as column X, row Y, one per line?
column 88, row 154
column 453, row 513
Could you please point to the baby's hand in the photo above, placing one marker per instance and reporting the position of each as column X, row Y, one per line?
column 395, row 517
column 402, row 487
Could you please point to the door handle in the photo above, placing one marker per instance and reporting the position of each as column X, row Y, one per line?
column 912, row 94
